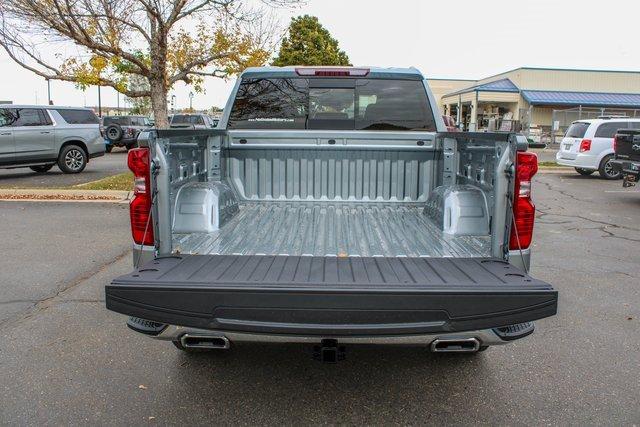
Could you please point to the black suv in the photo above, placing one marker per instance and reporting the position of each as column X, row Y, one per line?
column 122, row 131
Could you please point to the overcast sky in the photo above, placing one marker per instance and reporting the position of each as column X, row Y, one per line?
column 466, row 39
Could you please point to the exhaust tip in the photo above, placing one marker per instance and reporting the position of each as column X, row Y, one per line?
column 453, row 345
column 205, row 342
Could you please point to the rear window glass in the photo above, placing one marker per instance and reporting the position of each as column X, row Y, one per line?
column 187, row 119
column 607, row 130
column 362, row 104
column 270, row 104
column 117, row 120
column 79, row 117
column 577, row 130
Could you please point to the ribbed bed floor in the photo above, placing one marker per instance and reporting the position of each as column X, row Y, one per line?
column 331, row 230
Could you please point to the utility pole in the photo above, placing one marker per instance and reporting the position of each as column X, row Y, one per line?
column 118, row 101
column 99, row 103
column 190, row 101
column 173, row 103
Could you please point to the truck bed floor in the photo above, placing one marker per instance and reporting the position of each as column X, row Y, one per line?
column 328, row 229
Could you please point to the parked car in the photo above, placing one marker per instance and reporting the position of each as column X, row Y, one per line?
column 123, row 131
column 588, row 145
column 192, row 121
column 327, row 208
column 39, row 137
column 627, row 158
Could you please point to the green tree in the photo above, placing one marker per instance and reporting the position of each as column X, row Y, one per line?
column 309, row 43
column 161, row 41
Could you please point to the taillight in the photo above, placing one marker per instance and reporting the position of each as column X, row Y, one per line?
column 585, row 145
column 615, row 142
column 524, row 210
column 140, row 206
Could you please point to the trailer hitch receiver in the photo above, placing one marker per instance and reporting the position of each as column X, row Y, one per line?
column 329, row 351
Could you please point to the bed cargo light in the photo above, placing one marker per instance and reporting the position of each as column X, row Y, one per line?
column 140, row 206
column 332, row 71
column 524, row 211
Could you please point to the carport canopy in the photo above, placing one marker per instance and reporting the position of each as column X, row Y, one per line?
column 585, row 99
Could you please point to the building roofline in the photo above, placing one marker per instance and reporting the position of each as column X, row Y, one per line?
column 485, row 87
column 580, row 91
column 586, row 70
column 451, row 80
column 584, row 103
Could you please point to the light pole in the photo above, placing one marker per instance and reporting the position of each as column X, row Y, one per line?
column 173, row 103
column 49, row 91
column 190, row 101
column 99, row 103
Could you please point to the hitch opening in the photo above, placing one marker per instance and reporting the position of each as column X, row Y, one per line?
column 329, row 351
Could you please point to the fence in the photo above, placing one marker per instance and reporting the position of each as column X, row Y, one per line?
column 562, row 119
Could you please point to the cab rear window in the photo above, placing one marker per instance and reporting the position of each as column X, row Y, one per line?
column 339, row 104
column 577, row 130
column 117, row 120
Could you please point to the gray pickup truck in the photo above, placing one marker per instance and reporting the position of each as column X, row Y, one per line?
column 331, row 207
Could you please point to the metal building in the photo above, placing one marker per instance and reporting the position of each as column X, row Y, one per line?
column 534, row 99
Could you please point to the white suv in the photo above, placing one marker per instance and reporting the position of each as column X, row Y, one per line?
column 588, row 145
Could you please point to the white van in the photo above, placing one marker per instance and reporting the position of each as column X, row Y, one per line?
column 588, row 145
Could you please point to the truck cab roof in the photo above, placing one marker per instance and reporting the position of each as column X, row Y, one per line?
column 306, row 71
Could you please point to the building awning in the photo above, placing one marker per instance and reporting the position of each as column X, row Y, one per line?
column 503, row 85
column 591, row 99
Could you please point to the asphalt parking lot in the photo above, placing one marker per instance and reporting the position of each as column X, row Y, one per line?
column 101, row 167
column 67, row 360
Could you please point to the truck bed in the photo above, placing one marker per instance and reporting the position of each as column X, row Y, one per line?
column 332, row 229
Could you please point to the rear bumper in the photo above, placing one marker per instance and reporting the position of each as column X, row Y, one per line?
column 583, row 161
column 316, row 296
column 626, row 166
column 121, row 142
column 486, row 337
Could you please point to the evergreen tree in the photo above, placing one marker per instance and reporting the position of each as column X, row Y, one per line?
column 309, row 43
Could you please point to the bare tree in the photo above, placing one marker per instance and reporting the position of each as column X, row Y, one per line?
column 162, row 41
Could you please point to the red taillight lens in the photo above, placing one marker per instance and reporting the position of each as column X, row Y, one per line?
column 585, row 145
column 524, row 210
column 615, row 142
column 140, row 206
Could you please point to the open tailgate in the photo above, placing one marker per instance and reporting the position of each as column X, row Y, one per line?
column 331, row 295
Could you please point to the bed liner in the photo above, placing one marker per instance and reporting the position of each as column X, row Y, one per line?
column 332, row 229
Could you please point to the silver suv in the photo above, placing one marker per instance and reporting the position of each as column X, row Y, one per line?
column 39, row 137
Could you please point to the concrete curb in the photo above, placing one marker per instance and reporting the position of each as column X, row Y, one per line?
column 555, row 170
column 57, row 195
